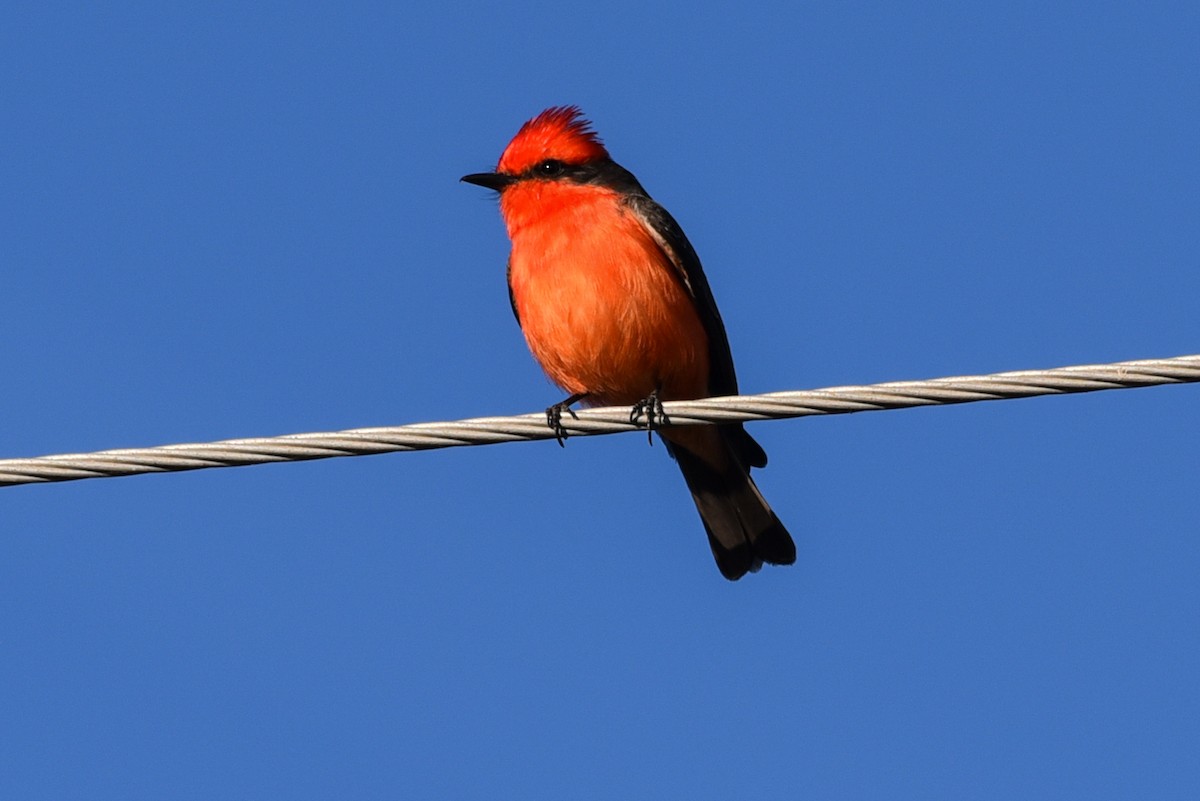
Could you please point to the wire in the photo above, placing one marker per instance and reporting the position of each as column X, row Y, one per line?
column 489, row 430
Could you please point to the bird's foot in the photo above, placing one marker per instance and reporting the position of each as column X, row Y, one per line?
column 554, row 417
column 651, row 409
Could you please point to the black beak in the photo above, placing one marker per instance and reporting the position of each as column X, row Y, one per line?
column 490, row 180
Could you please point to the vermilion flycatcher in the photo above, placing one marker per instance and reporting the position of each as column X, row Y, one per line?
column 616, row 309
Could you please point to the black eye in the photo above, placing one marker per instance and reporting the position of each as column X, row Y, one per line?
column 550, row 168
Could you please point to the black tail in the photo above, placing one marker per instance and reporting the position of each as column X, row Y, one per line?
column 742, row 530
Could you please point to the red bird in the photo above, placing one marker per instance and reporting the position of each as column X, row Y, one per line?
column 616, row 309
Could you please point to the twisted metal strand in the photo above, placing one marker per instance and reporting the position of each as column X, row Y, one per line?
column 490, row 430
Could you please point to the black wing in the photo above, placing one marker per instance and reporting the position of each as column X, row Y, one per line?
column 511, row 300
column 722, row 380
column 659, row 223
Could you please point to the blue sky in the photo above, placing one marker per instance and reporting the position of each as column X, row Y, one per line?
column 221, row 222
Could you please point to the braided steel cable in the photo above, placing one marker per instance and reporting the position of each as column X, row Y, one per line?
column 490, row 430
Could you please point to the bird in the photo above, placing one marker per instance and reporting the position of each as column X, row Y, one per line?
column 615, row 307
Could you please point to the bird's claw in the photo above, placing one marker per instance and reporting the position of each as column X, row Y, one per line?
column 554, row 420
column 650, row 408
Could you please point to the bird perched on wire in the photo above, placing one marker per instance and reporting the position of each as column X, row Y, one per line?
column 615, row 307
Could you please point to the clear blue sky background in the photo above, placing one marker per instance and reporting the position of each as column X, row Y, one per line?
column 226, row 222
